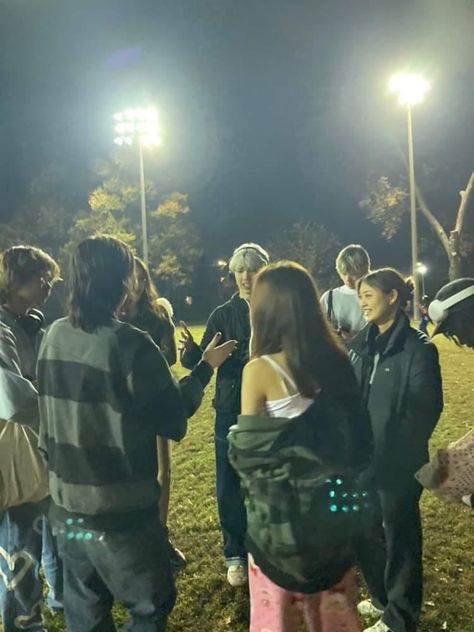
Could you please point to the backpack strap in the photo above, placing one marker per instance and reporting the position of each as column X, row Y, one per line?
column 330, row 312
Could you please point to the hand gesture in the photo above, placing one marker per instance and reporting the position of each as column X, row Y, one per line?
column 186, row 340
column 215, row 355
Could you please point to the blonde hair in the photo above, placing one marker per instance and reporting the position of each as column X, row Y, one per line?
column 353, row 260
column 248, row 256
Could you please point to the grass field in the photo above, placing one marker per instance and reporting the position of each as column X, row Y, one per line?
column 207, row 604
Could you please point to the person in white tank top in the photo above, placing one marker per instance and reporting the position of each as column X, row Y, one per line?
column 294, row 354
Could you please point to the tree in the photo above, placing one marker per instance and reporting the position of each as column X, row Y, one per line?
column 46, row 212
column 386, row 205
column 313, row 246
column 110, row 207
column 175, row 244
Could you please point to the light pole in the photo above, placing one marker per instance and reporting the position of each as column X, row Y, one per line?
column 139, row 125
column 422, row 270
column 411, row 89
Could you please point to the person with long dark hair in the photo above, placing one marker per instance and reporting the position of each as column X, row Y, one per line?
column 146, row 310
column 105, row 393
column 398, row 371
column 302, row 419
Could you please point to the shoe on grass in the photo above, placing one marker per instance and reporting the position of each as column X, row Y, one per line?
column 237, row 575
column 380, row 626
column 367, row 609
column 177, row 558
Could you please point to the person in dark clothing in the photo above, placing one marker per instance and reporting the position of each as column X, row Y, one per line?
column 147, row 311
column 105, row 393
column 398, row 370
column 232, row 319
column 452, row 311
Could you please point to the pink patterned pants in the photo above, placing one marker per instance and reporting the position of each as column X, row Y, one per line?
column 273, row 609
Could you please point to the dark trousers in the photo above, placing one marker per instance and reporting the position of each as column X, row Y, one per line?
column 390, row 558
column 230, row 503
column 129, row 565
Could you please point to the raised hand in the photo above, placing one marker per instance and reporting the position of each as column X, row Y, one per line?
column 186, row 340
column 216, row 355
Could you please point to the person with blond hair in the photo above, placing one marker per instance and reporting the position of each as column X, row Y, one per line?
column 340, row 304
column 233, row 320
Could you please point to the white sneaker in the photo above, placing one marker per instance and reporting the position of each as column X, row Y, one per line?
column 378, row 627
column 237, row 575
column 367, row 609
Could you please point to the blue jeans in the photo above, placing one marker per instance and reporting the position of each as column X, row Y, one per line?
column 230, row 503
column 20, row 556
column 127, row 565
column 52, row 567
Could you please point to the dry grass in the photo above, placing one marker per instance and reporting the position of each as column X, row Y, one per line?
column 207, row 604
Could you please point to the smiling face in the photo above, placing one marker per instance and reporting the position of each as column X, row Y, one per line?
column 244, row 279
column 378, row 307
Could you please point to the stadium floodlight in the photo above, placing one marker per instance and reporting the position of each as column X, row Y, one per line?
column 139, row 125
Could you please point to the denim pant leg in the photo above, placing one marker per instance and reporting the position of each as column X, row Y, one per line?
column 230, row 503
column 52, row 567
column 20, row 554
column 128, row 565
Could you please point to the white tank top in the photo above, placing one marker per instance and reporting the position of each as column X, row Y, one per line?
column 291, row 405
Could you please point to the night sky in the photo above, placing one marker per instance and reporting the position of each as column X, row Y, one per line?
column 270, row 108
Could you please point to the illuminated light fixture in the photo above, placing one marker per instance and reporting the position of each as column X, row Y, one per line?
column 411, row 88
column 140, row 125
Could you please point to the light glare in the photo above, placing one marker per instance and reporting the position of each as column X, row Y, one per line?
column 411, row 88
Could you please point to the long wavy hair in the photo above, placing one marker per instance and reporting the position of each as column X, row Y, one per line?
column 149, row 304
column 287, row 317
column 101, row 273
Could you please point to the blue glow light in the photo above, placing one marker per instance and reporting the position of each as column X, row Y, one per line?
column 333, row 508
column 332, row 494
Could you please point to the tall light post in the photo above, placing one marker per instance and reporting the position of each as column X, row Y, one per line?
column 422, row 270
column 139, row 125
column 411, row 89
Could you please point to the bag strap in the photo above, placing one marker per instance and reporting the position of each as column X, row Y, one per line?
column 330, row 312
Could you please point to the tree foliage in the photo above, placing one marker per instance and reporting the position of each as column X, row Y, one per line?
column 385, row 205
column 175, row 244
column 313, row 246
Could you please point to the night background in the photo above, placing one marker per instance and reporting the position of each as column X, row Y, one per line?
column 272, row 111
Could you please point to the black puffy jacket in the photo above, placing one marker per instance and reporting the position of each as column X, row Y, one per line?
column 232, row 320
column 400, row 376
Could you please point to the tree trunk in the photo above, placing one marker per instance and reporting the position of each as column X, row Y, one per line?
column 455, row 259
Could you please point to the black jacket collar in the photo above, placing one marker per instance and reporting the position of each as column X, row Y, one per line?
column 365, row 343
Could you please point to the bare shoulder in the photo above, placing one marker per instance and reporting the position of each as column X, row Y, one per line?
column 257, row 367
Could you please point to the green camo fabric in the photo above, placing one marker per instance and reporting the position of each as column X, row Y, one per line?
column 292, row 531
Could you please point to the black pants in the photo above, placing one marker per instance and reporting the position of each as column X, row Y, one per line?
column 390, row 558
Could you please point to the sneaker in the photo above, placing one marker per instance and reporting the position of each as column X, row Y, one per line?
column 367, row 609
column 177, row 558
column 378, row 627
column 237, row 575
